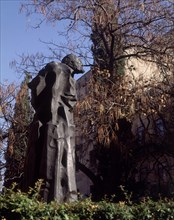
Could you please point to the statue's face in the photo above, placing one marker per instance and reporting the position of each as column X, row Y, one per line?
column 78, row 66
column 74, row 62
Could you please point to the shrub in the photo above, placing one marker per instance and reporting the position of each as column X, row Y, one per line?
column 29, row 206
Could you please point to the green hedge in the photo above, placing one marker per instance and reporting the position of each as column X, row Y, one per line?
column 18, row 205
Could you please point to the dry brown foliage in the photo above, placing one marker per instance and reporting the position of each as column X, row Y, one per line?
column 113, row 28
column 127, row 97
column 7, row 96
column 18, row 136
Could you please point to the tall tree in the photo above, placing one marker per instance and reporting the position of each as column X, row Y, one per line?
column 129, row 121
column 18, row 135
column 107, row 43
column 119, row 29
column 7, row 94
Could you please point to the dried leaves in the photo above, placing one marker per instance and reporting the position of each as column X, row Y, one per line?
column 108, row 101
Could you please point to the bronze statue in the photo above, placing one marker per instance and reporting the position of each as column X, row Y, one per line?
column 50, row 153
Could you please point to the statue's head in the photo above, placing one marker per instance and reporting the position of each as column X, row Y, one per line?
column 74, row 62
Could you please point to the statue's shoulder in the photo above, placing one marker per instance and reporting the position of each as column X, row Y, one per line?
column 56, row 66
column 53, row 65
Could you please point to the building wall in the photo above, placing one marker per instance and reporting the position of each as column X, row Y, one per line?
column 139, row 74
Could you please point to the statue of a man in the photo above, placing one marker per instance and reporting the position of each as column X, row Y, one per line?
column 50, row 153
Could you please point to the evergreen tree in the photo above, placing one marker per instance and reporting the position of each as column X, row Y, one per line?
column 18, row 135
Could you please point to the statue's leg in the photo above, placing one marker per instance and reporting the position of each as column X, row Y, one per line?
column 48, row 160
column 70, row 140
column 31, row 160
column 53, row 167
column 71, row 169
column 65, row 183
column 61, row 180
column 58, row 162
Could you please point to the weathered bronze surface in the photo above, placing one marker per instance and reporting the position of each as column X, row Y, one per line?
column 50, row 153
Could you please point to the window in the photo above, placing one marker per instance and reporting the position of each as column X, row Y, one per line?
column 160, row 127
column 140, row 135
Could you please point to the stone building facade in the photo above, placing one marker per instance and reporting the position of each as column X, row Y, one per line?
column 153, row 165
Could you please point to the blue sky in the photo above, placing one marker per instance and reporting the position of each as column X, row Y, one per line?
column 18, row 37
